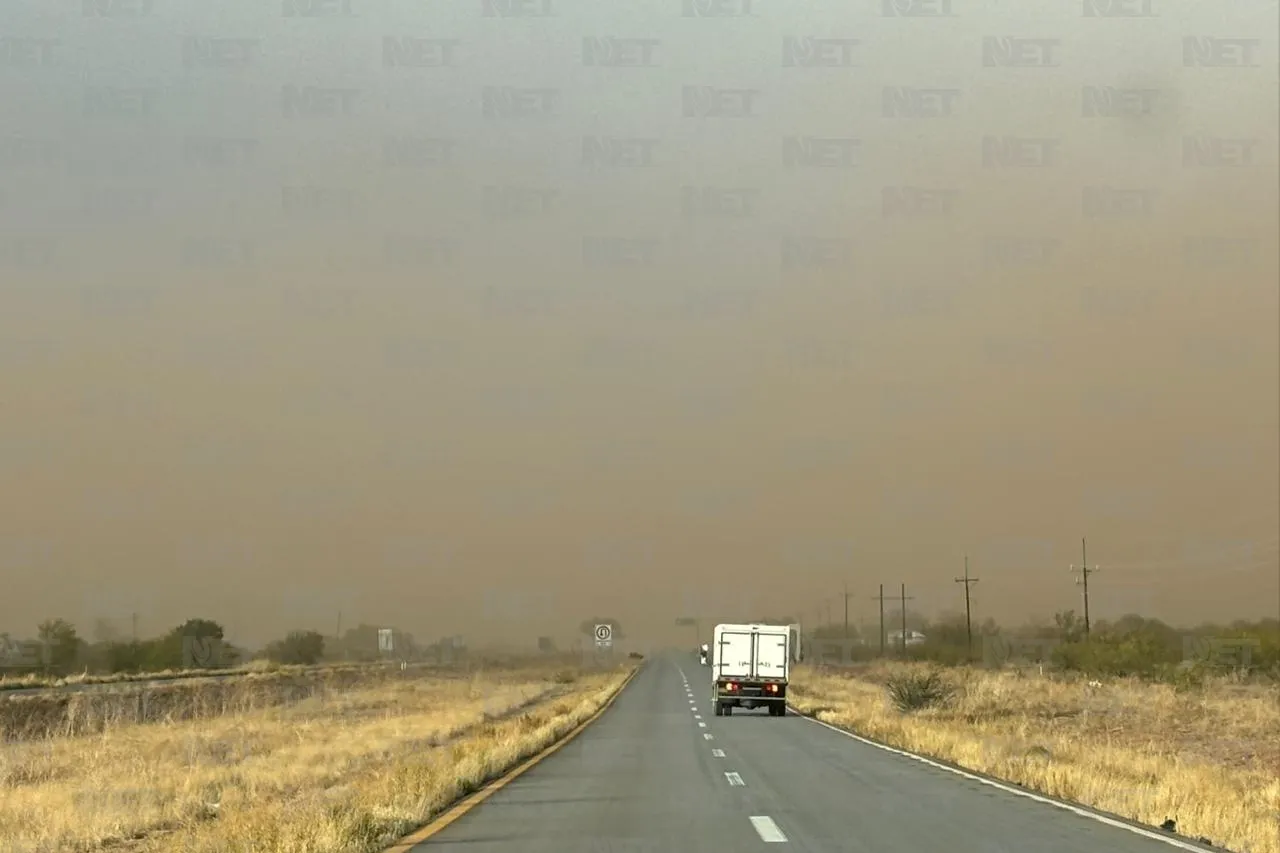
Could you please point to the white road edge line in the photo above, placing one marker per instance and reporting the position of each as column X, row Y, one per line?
column 1009, row 789
column 735, row 781
column 767, row 829
column 717, row 753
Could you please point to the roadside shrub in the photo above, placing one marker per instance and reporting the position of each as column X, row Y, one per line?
column 917, row 691
column 298, row 648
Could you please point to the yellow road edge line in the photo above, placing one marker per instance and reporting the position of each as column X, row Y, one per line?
column 457, row 810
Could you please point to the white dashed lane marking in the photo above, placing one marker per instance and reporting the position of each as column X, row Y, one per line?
column 709, row 736
column 767, row 829
column 717, row 753
column 735, row 781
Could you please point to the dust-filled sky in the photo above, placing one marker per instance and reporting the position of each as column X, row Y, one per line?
column 483, row 318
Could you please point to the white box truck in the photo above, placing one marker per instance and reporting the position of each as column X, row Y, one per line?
column 750, row 666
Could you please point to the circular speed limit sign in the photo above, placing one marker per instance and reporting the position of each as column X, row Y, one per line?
column 604, row 633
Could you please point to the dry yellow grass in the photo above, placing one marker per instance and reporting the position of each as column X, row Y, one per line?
column 71, row 713
column 343, row 773
column 1208, row 759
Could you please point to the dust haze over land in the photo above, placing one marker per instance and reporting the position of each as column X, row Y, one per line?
column 265, row 360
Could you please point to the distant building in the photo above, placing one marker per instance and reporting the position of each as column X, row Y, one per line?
column 914, row 638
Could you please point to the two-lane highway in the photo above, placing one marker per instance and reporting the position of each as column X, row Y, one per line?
column 659, row 773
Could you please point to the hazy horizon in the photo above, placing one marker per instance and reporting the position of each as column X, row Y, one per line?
column 272, row 353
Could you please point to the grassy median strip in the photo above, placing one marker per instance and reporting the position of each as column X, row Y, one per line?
column 342, row 773
column 1206, row 758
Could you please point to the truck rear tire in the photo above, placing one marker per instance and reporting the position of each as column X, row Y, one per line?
column 718, row 709
column 728, row 710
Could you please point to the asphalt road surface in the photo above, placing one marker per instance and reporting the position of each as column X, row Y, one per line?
column 659, row 773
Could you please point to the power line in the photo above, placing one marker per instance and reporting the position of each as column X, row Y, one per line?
column 1265, row 518
column 1247, row 549
column 1084, row 570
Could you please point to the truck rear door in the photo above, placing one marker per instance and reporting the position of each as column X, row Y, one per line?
column 734, row 655
column 771, row 655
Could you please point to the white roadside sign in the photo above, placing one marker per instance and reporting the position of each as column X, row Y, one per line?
column 604, row 635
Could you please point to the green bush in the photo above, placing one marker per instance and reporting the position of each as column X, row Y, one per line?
column 298, row 648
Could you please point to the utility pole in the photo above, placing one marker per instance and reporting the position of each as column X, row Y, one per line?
column 968, row 616
column 904, row 619
column 846, row 610
column 1085, row 571
column 337, row 636
column 880, row 598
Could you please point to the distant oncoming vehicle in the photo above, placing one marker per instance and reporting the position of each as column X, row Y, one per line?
column 750, row 668
column 704, row 655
